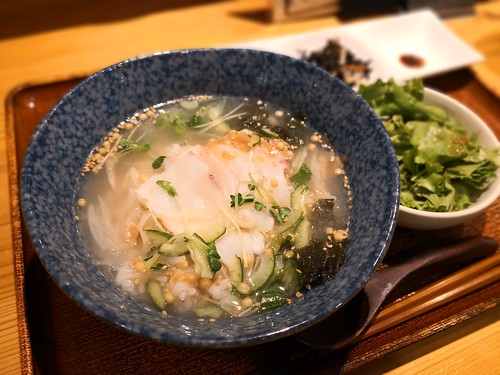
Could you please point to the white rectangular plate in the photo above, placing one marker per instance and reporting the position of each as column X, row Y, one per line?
column 383, row 42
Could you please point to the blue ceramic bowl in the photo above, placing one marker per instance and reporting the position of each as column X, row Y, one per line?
column 63, row 140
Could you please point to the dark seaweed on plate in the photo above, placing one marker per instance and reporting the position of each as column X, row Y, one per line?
column 340, row 62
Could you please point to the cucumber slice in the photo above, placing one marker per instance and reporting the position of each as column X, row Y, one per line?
column 222, row 128
column 155, row 291
column 235, row 269
column 269, row 133
column 211, row 233
column 151, row 261
column 199, row 254
column 303, row 233
column 290, row 277
column 294, row 218
column 209, row 311
column 254, row 140
column 279, row 263
column 175, row 247
column 262, row 271
column 300, row 197
column 157, row 237
column 272, row 298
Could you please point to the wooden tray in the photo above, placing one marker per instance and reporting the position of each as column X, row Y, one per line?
column 59, row 337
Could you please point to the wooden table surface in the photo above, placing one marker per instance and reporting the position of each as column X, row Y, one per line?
column 64, row 38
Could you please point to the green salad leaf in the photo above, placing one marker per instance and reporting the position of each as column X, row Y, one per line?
column 441, row 167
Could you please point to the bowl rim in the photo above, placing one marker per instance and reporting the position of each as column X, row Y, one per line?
column 493, row 191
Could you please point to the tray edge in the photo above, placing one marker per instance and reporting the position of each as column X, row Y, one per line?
column 17, row 242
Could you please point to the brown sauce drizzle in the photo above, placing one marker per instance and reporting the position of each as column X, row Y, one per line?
column 412, row 61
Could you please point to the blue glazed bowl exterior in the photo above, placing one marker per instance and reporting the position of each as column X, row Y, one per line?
column 58, row 149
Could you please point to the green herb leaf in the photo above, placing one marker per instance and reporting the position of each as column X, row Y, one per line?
column 195, row 120
column 127, row 144
column 141, row 148
column 167, row 186
column 280, row 213
column 259, row 206
column 213, row 257
column 214, row 263
column 178, row 121
column 303, row 175
column 234, row 291
column 158, row 162
column 441, row 168
column 212, row 250
column 240, row 201
column 157, row 267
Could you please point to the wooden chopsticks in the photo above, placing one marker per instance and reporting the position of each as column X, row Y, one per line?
column 450, row 288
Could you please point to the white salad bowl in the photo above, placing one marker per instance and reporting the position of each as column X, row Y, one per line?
column 416, row 219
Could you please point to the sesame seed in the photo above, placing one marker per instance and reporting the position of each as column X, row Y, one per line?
column 169, row 297
column 243, row 288
column 315, row 137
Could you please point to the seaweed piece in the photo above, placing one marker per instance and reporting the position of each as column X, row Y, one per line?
column 319, row 262
column 339, row 62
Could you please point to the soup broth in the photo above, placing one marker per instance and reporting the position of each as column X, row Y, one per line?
column 215, row 206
